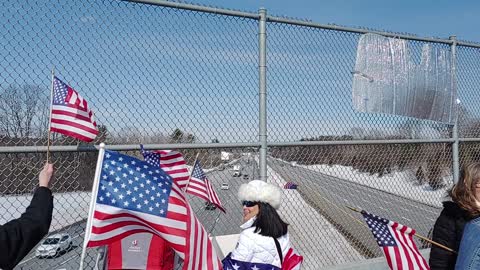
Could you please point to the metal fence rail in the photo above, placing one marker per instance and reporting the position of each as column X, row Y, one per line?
column 274, row 92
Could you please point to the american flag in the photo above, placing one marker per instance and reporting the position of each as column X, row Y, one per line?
column 396, row 242
column 290, row 185
column 71, row 115
column 200, row 186
column 172, row 162
column 231, row 264
column 133, row 197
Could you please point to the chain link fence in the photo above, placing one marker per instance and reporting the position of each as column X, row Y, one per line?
column 175, row 75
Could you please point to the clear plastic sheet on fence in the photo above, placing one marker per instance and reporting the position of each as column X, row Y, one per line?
column 386, row 79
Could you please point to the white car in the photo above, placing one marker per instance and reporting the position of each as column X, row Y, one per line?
column 54, row 245
column 225, row 186
column 237, row 170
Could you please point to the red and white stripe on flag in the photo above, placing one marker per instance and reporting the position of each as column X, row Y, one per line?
column 396, row 242
column 172, row 162
column 200, row 186
column 406, row 255
column 71, row 115
column 201, row 250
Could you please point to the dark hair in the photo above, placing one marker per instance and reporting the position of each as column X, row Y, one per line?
column 463, row 192
column 268, row 222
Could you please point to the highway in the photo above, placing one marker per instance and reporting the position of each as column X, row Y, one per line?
column 215, row 221
column 329, row 195
column 68, row 260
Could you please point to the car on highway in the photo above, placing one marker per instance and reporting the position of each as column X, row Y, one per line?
column 54, row 245
column 210, row 206
column 225, row 186
column 237, row 170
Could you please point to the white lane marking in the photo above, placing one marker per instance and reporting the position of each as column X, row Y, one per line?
column 29, row 259
column 64, row 262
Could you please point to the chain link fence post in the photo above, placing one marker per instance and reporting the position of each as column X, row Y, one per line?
column 455, row 158
column 262, row 41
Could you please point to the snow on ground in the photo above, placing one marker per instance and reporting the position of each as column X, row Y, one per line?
column 314, row 233
column 401, row 183
column 214, row 168
column 68, row 208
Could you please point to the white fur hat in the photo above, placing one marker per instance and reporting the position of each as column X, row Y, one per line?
column 260, row 191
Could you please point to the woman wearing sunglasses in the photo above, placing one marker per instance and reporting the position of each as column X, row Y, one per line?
column 264, row 240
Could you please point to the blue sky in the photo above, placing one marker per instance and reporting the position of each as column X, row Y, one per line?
column 440, row 18
column 148, row 69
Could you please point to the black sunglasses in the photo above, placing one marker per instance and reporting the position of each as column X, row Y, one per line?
column 249, row 203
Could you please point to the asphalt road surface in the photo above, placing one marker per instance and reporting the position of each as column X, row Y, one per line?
column 215, row 221
column 329, row 195
column 66, row 260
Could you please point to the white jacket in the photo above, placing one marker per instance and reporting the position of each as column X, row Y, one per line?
column 255, row 248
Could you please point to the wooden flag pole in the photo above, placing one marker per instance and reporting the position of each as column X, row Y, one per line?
column 435, row 243
column 50, row 117
column 417, row 235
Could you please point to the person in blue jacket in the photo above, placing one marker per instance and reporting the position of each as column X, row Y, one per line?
column 469, row 252
column 463, row 207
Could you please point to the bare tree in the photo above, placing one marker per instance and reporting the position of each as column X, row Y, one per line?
column 135, row 135
column 23, row 111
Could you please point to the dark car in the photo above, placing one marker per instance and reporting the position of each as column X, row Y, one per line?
column 210, row 206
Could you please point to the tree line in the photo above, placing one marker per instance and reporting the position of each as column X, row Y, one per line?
column 24, row 121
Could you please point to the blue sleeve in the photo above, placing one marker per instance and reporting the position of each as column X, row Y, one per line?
column 469, row 252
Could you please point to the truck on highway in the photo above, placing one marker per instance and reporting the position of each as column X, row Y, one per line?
column 237, row 170
column 225, row 156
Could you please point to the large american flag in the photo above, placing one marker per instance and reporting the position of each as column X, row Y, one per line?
column 200, row 186
column 396, row 242
column 171, row 162
column 71, row 115
column 133, row 197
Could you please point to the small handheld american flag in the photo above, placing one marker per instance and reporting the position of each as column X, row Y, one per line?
column 290, row 185
column 200, row 186
column 70, row 113
column 396, row 242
